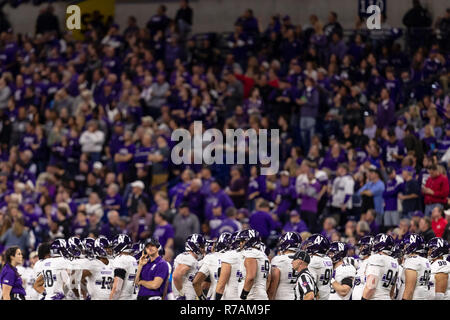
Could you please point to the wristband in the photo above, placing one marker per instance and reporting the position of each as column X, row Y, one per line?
column 364, row 298
column 244, row 294
column 218, row 296
column 333, row 281
column 202, row 297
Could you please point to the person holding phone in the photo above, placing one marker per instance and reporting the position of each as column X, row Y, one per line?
column 152, row 275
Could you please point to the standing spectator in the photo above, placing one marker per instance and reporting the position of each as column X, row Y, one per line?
column 385, row 110
column 436, row 190
column 295, row 224
column 216, row 198
column 47, row 21
column 140, row 224
column 438, row 222
column 284, row 196
column 184, row 18
column 409, row 195
column 390, row 196
column 416, row 20
column 308, row 192
column 5, row 93
column 234, row 93
column 63, row 216
column 158, row 96
column 229, row 224
column 159, row 22
column 341, row 194
column 309, row 109
column 425, row 229
column 185, row 223
column 261, row 220
column 237, row 188
column 333, row 26
column 92, row 140
column 164, row 231
column 373, row 190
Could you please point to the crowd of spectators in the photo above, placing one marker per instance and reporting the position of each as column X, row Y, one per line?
column 85, row 130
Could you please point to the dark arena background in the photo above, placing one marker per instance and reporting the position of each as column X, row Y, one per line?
column 97, row 202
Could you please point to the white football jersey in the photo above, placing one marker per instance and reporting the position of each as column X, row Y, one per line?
column 400, row 283
column 56, row 277
column 186, row 258
column 259, row 288
column 99, row 283
column 288, row 277
column 231, row 292
column 130, row 265
column 27, row 275
column 422, row 266
column 386, row 269
column 440, row 266
column 321, row 268
column 340, row 273
column 360, row 280
column 211, row 268
column 37, row 271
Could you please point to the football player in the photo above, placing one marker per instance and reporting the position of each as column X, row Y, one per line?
column 211, row 268
column 416, row 268
column 320, row 266
column 99, row 272
column 440, row 268
column 283, row 276
column 229, row 277
column 27, row 274
column 382, row 270
column 77, row 250
column 255, row 267
column 38, row 285
column 125, row 268
column 344, row 273
column 52, row 272
column 364, row 247
column 397, row 253
column 186, row 266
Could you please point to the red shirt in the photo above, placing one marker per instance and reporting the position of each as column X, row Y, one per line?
column 439, row 227
column 247, row 82
column 440, row 187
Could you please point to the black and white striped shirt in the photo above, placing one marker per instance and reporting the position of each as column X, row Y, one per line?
column 305, row 284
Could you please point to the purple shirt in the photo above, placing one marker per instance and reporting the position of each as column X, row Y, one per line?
column 262, row 222
column 151, row 270
column 297, row 227
column 163, row 233
column 9, row 276
column 217, row 199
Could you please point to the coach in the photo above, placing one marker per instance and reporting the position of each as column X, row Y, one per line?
column 153, row 273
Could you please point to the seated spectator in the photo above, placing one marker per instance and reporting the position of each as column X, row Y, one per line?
column 436, row 190
column 111, row 228
column 164, row 231
column 136, row 196
column 438, row 222
column 425, row 229
column 329, row 226
column 446, row 234
column 141, row 224
column 261, row 220
column 184, row 223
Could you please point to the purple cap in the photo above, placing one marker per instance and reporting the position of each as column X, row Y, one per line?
column 294, row 213
column 408, row 169
column 418, row 213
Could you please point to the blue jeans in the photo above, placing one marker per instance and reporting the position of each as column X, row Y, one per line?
column 307, row 129
column 430, row 207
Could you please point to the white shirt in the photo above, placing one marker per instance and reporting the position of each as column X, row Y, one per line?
column 211, row 267
column 259, row 288
column 342, row 272
column 187, row 259
column 342, row 186
column 288, row 277
column 422, row 266
column 386, row 269
column 321, row 268
column 27, row 275
column 360, row 280
column 440, row 266
column 56, row 276
column 99, row 283
column 233, row 258
column 129, row 264
column 92, row 141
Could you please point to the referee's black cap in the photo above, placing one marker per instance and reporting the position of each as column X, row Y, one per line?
column 302, row 255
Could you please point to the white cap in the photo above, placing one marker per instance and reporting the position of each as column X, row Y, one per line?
column 138, row 184
column 447, row 212
column 98, row 165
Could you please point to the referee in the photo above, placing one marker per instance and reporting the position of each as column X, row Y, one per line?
column 153, row 273
column 305, row 288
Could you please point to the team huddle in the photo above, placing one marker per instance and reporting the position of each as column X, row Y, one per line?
column 237, row 267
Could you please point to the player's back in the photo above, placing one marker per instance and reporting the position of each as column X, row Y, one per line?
column 387, row 274
column 360, row 280
column 288, row 277
column 440, row 266
column 400, row 283
column 187, row 259
column 321, row 268
column 232, row 257
column 56, row 277
column 259, row 288
column 342, row 272
column 99, row 283
column 422, row 266
column 129, row 265
column 210, row 267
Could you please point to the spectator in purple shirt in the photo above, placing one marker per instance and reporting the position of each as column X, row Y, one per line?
column 111, row 228
column 329, row 227
column 386, row 110
column 229, row 224
column 140, row 224
column 261, row 220
column 284, row 196
column 164, row 231
column 216, row 197
column 369, row 217
column 295, row 224
column 308, row 192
